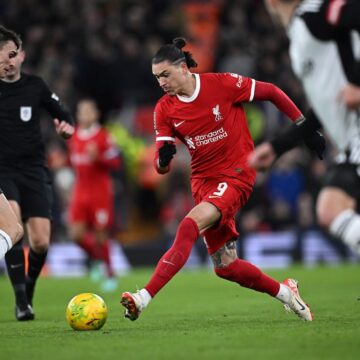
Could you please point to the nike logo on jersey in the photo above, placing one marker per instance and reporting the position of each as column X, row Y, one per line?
column 178, row 124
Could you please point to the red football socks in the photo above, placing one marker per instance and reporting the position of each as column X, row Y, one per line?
column 249, row 276
column 88, row 244
column 175, row 258
column 97, row 251
column 103, row 254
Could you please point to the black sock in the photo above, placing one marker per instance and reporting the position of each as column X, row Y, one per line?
column 36, row 263
column 15, row 263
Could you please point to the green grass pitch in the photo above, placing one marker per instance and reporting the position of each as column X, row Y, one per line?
column 196, row 316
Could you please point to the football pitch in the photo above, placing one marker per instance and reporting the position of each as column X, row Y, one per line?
column 197, row 316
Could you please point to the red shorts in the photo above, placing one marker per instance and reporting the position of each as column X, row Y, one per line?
column 229, row 195
column 95, row 211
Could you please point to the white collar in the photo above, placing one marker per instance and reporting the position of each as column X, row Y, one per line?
column 188, row 99
column 85, row 134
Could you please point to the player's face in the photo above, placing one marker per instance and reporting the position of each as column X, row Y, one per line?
column 7, row 52
column 87, row 113
column 171, row 77
column 15, row 59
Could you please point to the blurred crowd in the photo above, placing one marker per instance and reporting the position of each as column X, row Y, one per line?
column 102, row 49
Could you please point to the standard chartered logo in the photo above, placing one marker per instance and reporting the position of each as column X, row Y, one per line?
column 190, row 142
column 206, row 139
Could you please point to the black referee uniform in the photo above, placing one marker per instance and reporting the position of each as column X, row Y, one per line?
column 24, row 175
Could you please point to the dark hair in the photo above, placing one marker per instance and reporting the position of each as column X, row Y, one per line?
column 9, row 35
column 174, row 54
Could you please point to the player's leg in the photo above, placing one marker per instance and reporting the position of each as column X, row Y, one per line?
column 78, row 231
column 101, row 219
column 231, row 195
column 11, row 231
column 36, row 204
column 80, row 218
column 337, row 203
column 15, row 264
column 229, row 267
column 14, row 259
column 103, row 254
column 38, row 230
column 199, row 219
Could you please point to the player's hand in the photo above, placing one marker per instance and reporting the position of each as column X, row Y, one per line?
column 316, row 142
column 350, row 96
column 64, row 129
column 166, row 153
column 262, row 157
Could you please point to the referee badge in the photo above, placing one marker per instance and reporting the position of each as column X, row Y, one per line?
column 25, row 113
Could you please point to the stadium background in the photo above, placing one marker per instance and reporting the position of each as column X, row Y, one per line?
column 103, row 49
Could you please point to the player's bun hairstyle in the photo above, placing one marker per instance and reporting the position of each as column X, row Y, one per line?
column 9, row 35
column 174, row 54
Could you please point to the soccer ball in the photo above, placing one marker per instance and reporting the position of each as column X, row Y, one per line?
column 86, row 311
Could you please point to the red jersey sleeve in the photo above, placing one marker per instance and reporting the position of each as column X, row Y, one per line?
column 109, row 153
column 239, row 88
column 269, row 92
column 163, row 129
column 163, row 132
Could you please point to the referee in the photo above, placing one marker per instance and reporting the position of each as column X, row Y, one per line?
column 24, row 177
column 11, row 230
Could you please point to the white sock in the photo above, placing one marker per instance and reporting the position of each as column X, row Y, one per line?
column 346, row 226
column 5, row 243
column 284, row 294
column 145, row 297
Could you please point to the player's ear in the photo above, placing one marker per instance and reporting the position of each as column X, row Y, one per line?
column 184, row 68
column 22, row 55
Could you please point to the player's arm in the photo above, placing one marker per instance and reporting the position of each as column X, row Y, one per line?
column 303, row 129
column 307, row 132
column 165, row 141
column 345, row 15
column 109, row 157
column 63, row 121
column 265, row 154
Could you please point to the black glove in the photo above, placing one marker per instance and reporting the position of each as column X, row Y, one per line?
column 166, row 153
column 316, row 142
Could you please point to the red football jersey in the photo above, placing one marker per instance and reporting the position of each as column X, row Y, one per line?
column 211, row 123
column 93, row 175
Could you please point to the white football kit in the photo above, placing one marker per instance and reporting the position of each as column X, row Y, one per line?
column 322, row 57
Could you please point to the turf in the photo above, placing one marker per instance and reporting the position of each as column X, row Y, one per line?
column 197, row 316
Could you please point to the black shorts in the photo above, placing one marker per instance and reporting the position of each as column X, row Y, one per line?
column 31, row 188
column 346, row 177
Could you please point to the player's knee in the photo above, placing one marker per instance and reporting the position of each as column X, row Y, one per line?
column 325, row 216
column 18, row 232
column 40, row 244
column 15, row 231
